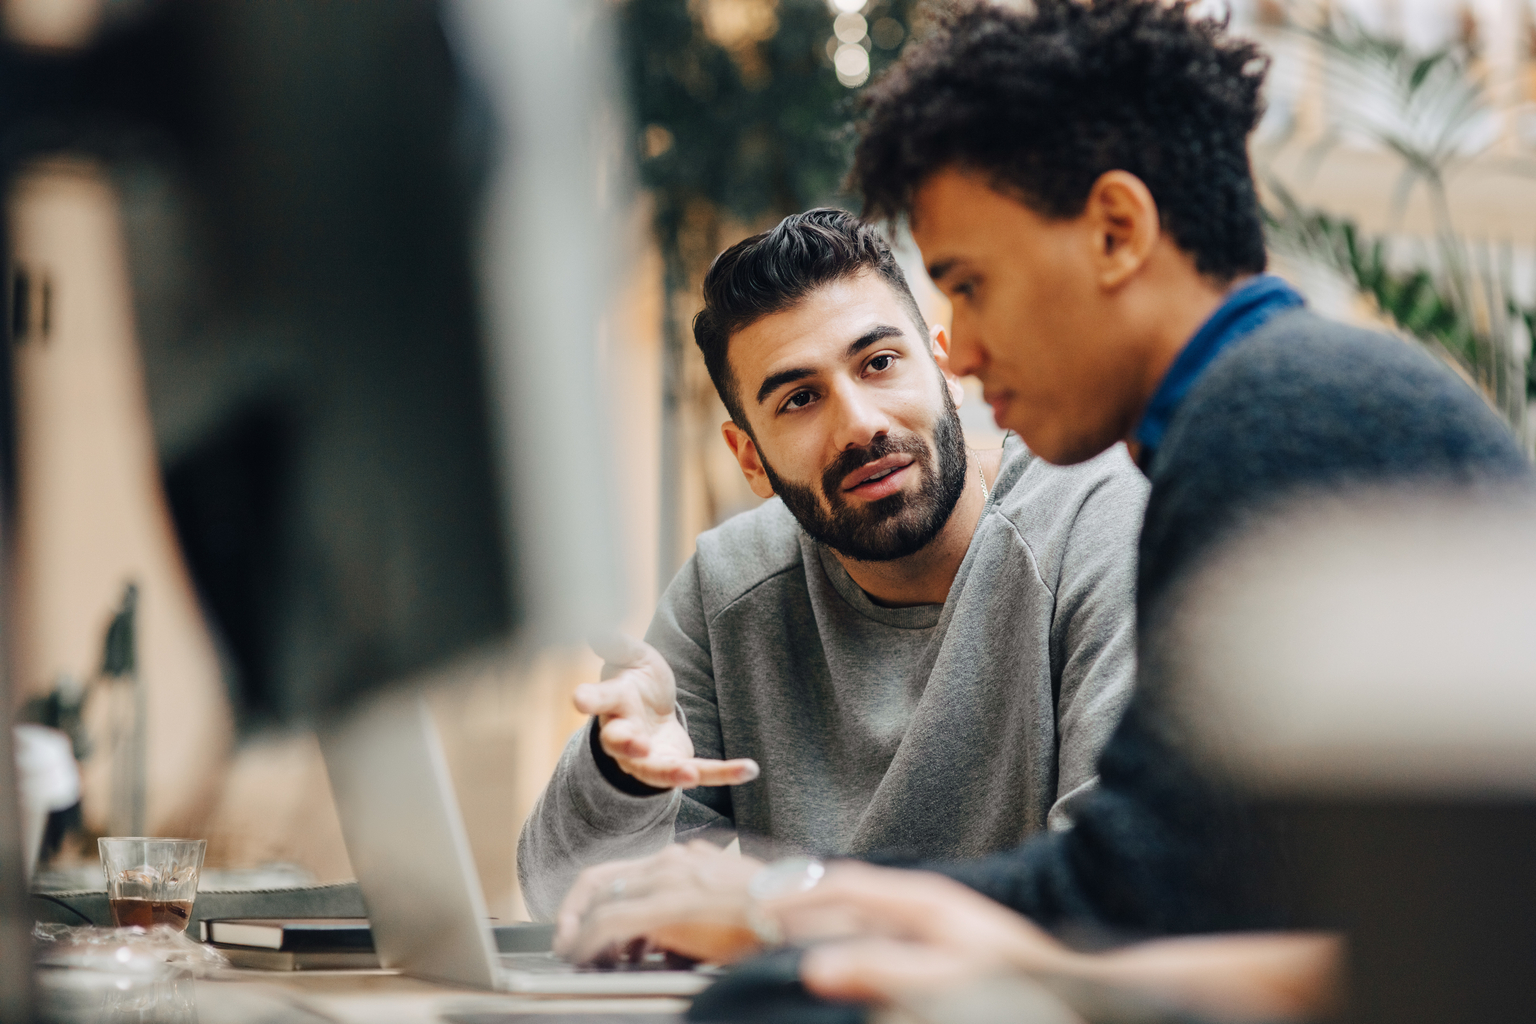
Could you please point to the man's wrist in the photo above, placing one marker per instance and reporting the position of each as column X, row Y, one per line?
column 617, row 777
column 785, row 877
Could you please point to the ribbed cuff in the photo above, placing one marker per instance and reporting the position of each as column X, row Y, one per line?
column 617, row 777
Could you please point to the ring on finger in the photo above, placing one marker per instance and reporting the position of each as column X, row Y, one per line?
column 613, row 892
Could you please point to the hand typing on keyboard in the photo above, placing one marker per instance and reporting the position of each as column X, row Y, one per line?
column 691, row 900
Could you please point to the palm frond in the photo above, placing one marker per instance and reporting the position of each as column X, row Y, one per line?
column 1438, row 306
column 1430, row 109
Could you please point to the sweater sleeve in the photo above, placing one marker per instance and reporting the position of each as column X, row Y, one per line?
column 1144, row 854
column 582, row 818
column 680, row 631
column 1093, row 633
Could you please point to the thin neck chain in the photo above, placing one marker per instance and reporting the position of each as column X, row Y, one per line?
column 986, row 495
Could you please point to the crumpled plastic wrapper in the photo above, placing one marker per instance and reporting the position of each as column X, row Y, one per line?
column 155, row 952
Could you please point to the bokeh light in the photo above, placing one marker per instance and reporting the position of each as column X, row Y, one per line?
column 852, row 64
column 850, row 27
column 887, row 33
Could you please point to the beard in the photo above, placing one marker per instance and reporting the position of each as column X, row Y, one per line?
column 898, row 524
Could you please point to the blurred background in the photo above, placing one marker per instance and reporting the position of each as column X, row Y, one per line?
column 202, row 195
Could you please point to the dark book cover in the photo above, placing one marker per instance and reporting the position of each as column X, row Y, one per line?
column 293, row 935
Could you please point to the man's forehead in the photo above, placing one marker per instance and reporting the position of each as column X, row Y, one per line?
column 820, row 325
column 954, row 215
column 942, row 195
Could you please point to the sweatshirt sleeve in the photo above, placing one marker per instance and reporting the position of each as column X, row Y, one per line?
column 582, row 819
column 1155, row 849
column 680, row 631
column 1093, row 633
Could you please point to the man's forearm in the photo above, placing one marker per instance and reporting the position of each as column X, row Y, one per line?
column 1034, row 879
column 1252, row 976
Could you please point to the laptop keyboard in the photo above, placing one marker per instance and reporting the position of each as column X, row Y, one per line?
column 548, row 963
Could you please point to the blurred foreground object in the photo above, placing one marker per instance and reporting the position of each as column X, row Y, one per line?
column 374, row 412
column 51, row 24
column 545, row 249
column 359, row 294
column 47, row 779
column 1365, row 669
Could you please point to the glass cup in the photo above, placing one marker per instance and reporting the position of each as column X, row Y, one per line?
column 151, row 881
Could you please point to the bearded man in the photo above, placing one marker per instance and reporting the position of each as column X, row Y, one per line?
column 923, row 647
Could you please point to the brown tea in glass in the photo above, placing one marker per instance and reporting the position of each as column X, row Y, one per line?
column 151, row 881
column 130, row 911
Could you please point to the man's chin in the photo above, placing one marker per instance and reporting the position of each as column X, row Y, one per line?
column 877, row 540
column 875, row 556
column 1062, row 448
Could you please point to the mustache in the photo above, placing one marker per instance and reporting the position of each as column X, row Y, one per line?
column 853, row 458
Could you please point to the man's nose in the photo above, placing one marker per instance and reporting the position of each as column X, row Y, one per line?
column 966, row 355
column 860, row 419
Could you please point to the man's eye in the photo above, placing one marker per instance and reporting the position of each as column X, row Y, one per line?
column 881, row 362
column 799, row 400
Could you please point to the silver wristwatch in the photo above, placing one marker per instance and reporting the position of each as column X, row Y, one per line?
column 781, row 878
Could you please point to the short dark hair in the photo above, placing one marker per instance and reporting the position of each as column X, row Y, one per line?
column 1045, row 101
column 771, row 272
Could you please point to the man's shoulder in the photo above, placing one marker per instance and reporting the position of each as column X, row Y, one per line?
column 1306, row 386
column 746, row 550
column 1309, row 403
column 1300, row 355
column 1034, row 493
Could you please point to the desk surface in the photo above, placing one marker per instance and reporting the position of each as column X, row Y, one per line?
column 323, row 997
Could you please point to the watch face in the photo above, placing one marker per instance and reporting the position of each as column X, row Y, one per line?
column 785, row 877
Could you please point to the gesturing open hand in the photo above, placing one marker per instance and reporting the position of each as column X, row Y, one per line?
column 635, row 705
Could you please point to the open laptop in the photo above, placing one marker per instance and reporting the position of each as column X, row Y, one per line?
column 407, row 844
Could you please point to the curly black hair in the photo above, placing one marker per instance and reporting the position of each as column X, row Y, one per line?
column 1047, row 100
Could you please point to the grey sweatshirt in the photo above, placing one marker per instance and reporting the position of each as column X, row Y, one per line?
column 941, row 731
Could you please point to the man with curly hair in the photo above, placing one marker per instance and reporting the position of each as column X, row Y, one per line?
column 1076, row 176
column 1077, row 179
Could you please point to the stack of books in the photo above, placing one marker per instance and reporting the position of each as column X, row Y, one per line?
column 293, row 944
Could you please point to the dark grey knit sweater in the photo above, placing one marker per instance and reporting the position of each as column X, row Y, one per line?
column 1303, row 403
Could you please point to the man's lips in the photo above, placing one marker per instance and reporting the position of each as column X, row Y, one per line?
column 877, row 479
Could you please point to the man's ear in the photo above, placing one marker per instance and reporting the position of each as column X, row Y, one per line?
column 745, row 449
column 939, row 343
column 1123, row 217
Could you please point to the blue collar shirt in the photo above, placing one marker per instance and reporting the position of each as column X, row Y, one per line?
column 1245, row 310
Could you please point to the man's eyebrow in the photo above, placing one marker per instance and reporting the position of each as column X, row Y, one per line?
column 777, row 380
column 869, row 337
column 937, row 271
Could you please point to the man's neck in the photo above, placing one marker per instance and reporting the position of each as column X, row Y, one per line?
column 925, row 576
column 1185, row 302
